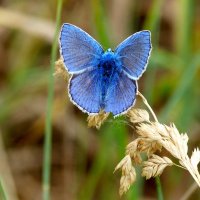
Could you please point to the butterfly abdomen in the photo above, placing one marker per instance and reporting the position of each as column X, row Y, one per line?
column 108, row 67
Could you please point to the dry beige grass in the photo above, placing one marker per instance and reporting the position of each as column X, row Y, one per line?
column 155, row 165
column 60, row 69
column 128, row 174
column 153, row 137
column 97, row 120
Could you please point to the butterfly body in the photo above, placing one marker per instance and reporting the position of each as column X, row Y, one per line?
column 103, row 80
column 109, row 68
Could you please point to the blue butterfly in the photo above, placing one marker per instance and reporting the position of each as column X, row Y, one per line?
column 103, row 80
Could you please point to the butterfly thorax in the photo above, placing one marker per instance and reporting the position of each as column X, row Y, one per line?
column 109, row 67
column 109, row 64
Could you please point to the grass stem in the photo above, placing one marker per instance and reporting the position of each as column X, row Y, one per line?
column 48, row 121
column 3, row 195
column 159, row 189
column 158, row 183
column 148, row 106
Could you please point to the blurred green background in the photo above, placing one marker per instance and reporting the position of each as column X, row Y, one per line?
column 83, row 159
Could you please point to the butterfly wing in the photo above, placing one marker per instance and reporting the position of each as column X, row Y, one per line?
column 85, row 91
column 121, row 94
column 78, row 49
column 134, row 53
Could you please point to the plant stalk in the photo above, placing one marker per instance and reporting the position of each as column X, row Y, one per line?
column 158, row 182
column 48, row 122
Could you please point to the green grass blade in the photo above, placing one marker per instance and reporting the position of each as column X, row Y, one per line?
column 161, row 57
column 184, row 27
column 187, row 109
column 153, row 18
column 183, row 85
column 48, row 122
column 100, row 22
column 159, row 189
column 3, row 194
column 183, row 45
column 136, row 190
column 152, row 23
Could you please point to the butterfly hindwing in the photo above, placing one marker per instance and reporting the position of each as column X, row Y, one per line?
column 78, row 49
column 85, row 91
column 121, row 94
column 134, row 53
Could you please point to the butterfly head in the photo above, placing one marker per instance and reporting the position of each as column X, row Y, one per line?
column 109, row 50
column 108, row 55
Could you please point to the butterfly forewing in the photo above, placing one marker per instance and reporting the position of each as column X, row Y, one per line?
column 78, row 49
column 134, row 53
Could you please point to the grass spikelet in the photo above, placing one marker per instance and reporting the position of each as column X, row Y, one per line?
column 153, row 137
column 60, row 69
column 138, row 115
column 140, row 145
column 128, row 174
column 195, row 158
column 133, row 151
column 97, row 120
column 155, row 165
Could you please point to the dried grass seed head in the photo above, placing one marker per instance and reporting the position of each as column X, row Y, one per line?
column 128, row 174
column 138, row 115
column 98, row 119
column 155, row 165
column 60, row 69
